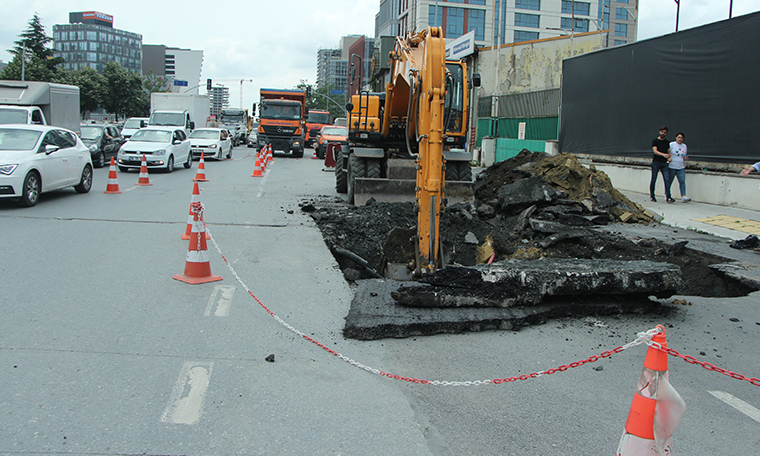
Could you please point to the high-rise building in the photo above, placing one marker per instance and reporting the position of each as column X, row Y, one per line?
column 89, row 39
column 182, row 66
column 219, row 99
column 497, row 22
column 333, row 64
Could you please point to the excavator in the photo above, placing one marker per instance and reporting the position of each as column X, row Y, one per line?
column 421, row 116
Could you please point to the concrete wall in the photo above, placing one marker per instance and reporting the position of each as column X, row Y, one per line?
column 725, row 189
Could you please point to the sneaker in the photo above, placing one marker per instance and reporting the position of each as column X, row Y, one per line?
column 670, row 200
column 654, row 200
column 686, row 199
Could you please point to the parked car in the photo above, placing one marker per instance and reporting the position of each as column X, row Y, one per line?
column 162, row 147
column 132, row 125
column 36, row 159
column 330, row 134
column 103, row 141
column 211, row 142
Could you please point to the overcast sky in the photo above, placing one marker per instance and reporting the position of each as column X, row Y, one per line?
column 275, row 42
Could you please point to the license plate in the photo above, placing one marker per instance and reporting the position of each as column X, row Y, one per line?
column 135, row 159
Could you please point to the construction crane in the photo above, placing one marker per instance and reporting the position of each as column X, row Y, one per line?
column 241, row 86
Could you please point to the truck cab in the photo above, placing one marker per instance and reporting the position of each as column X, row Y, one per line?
column 30, row 115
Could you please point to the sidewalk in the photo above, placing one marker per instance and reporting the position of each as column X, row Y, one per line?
column 705, row 218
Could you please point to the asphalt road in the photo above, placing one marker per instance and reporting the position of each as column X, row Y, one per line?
column 103, row 353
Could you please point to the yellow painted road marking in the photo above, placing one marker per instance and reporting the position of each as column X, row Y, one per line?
column 733, row 223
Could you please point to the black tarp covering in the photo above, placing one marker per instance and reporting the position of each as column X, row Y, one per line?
column 704, row 82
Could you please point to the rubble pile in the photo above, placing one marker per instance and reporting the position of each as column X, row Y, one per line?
column 536, row 221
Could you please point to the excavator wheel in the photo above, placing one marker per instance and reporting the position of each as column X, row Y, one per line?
column 458, row 171
column 357, row 167
column 373, row 168
column 341, row 181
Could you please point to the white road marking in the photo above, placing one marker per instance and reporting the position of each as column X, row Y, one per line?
column 186, row 402
column 738, row 404
column 221, row 297
column 260, row 193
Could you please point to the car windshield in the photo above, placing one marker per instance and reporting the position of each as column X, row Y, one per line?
column 319, row 117
column 204, row 134
column 334, row 131
column 12, row 116
column 152, row 136
column 17, row 139
column 167, row 118
column 133, row 123
column 90, row 132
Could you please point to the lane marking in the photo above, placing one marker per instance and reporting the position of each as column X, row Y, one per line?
column 221, row 298
column 186, row 402
column 738, row 404
column 260, row 193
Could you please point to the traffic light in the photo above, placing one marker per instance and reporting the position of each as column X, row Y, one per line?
column 308, row 91
column 208, row 84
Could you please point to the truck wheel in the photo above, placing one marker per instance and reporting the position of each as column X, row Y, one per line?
column 341, row 182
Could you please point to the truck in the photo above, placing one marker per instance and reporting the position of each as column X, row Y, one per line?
column 282, row 120
column 41, row 103
column 314, row 122
column 184, row 110
column 418, row 124
column 236, row 121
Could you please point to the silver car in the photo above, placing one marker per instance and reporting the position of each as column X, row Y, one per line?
column 161, row 146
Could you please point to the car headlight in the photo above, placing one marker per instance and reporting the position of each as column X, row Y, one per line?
column 160, row 152
column 213, row 146
column 7, row 169
column 93, row 148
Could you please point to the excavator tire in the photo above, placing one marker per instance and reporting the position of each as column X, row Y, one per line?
column 341, row 181
column 459, row 171
column 357, row 167
column 373, row 168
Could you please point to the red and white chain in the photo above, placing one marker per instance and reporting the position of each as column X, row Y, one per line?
column 644, row 337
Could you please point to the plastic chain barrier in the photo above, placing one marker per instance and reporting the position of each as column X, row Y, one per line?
column 641, row 338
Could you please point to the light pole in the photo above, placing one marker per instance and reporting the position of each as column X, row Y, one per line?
column 678, row 11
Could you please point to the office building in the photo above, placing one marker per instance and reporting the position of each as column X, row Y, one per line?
column 182, row 66
column 89, row 39
column 219, row 98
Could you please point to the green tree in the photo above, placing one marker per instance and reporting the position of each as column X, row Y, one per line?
column 34, row 69
column 124, row 94
column 35, row 42
column 153, row 83
column 321, row 99
column 92, row 88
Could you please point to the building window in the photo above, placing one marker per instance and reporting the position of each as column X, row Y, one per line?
column 477, row 21
column 92, row 36
column 621, row 29
column 621, row 14
column 581, row 8
column 521, row 35
column 526, row 20
column 619, row 42
column 432, row 19
column 92, row 57
column 581, row 25
column 619, row 1
column 454, row 22
column 93, row 46
column 477, row 2
column 534, row 5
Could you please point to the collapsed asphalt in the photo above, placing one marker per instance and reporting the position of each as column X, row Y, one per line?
column 529, row 210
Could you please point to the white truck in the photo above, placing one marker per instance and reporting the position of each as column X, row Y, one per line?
column 40, row 103
column 185, row 110
column 236, row 121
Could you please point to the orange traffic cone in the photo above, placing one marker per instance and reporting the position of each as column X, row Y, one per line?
column 257, row 167
column 263, row 158
column 314, row 155
column 113, row 184
column 144, row 179
column 197, row 266
column 270, row 154
column 200, row 176
column 656, row 410
column 195, row 198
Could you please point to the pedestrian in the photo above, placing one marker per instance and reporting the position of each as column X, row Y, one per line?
column 751, row 169
column 677, row 165
column 661, row 151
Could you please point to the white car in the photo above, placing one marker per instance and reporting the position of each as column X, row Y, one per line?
column 162, row 147
column 132, row 125
column 35, row 159
column 211, row 142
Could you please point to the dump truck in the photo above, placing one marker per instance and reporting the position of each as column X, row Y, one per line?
column 236, row 121
column 282, row 120
column 184, row 110
column 418, row 124
column 41, row 103
column 314, row 122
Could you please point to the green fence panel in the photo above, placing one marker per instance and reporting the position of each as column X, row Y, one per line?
column 536, row 128
column 507, row 148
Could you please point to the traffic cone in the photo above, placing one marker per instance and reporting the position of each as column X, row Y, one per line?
column 113, row 184
column 200, row 176
column 263, row 157
column 314, row 155
column 195, row 198
column 197, row 266
column 257, row 167
column 144, row 179
column 270, row 156
column 656, row 410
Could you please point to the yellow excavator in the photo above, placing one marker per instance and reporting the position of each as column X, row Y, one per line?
column 422, row 115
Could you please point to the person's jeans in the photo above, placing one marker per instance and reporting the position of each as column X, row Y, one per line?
column 661, row 167
column 681, row 175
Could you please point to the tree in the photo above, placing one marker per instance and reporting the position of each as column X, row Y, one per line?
column 124, row 94
column 321, row 99
column 92, row 88
column 153, row 83
column 34, row 41
column 34, row 69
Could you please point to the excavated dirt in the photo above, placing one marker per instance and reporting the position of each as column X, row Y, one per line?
column 526, row 208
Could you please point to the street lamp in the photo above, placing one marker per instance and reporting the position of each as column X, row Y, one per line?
column 678, row 11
